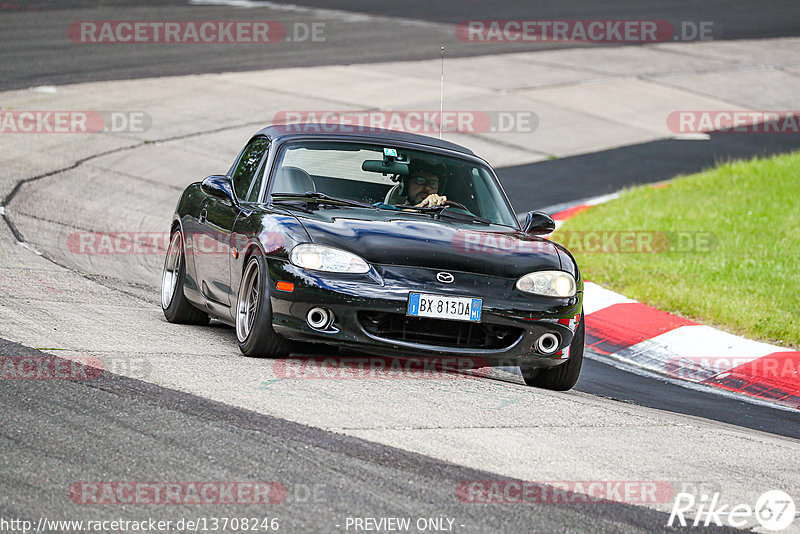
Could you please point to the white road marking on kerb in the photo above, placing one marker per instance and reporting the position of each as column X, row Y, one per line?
column 632, row 367
column 334, row 14
column 556, row 208
column 596, row 298
column 29, row 247
column 699, row 136
column 601, row 199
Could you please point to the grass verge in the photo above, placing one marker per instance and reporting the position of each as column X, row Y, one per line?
column 721, row 247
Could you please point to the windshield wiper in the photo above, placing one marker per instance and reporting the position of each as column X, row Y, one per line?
column 318, row 198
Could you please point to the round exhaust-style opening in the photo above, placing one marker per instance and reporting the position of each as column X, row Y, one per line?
column 547, row 343
column 319, row 318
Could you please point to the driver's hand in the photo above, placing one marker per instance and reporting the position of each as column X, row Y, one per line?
column 432, row 200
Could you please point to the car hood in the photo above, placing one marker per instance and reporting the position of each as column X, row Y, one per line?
column 386, row 237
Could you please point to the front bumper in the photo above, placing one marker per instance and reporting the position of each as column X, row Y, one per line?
column 511, row 321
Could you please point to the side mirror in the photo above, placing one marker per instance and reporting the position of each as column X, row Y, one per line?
column 538, row 222
column 218, row 187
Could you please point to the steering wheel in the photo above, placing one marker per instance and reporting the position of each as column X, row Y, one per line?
column 454, row 204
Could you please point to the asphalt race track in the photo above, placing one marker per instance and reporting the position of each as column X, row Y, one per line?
column 36, row 51
column 328, row 477
column 608, row 171
column 180, row 404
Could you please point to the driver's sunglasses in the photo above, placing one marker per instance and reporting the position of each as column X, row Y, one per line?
column 421, row 181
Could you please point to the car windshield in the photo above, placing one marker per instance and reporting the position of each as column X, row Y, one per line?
column 388, row 176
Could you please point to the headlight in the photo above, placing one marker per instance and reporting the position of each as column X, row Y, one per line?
column 548, row 283
column 329, row 259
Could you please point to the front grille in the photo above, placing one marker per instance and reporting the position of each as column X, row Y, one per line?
column 438, row 332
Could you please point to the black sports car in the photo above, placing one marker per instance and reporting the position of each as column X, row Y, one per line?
column 378, row 241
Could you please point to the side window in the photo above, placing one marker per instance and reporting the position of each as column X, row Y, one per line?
column 255, row 186
column 248, row 163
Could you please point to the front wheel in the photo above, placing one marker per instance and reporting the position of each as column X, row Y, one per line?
column 254, row 329
column 562, row 377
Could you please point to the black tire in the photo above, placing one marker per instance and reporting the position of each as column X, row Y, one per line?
column 254, row 329
column 562, row 377
column 176, row 307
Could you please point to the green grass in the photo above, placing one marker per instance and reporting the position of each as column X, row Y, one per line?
column 748, row 283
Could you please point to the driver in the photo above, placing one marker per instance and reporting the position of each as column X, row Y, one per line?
column 422, row 187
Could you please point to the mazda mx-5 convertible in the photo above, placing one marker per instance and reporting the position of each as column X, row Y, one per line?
column 375, row 241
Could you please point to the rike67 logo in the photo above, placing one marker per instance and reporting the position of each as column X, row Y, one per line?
column 774, row 510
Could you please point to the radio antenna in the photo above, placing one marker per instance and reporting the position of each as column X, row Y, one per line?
column 441, row 97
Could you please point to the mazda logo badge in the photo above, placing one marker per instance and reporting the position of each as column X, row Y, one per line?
column 445, row 278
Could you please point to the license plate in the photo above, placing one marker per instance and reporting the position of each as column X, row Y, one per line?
column 439, row 307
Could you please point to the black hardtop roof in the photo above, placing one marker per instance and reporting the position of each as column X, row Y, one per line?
column 345, row 132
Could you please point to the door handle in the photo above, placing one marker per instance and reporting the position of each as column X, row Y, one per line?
column 203, row 214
